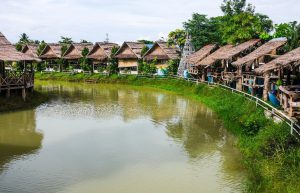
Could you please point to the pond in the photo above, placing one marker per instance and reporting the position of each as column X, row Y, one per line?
column 116, row 139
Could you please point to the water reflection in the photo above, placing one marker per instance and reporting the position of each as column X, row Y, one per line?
column 101, row 135
column 18, row 136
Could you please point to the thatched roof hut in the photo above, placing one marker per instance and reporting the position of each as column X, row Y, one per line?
column 248, row 46
column 201, row 54
column 51, row 51
column 212, row 58
column 9, row 53
column 263, row 50
column 290, row 59
column 130, row 50
column 74, row 52
column 102, row 51
column 161, row 51
column 31, row 50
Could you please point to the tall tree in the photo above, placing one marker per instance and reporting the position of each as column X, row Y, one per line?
column 240, row 22
column 203, row 30
column 112, row 67
column 65, row 40
column 177, row 37
column 291, row 31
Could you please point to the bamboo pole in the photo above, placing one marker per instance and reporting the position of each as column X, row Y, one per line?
column 266, row 86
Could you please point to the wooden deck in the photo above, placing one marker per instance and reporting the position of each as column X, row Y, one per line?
column 16, row 80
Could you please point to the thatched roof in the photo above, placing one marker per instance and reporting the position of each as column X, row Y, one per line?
column 74, row 51
column 289, row 59
column 201, row 54
column 102, row 50
column 212, row 58
column 263, row 50
column 8, row 52
column 130, row 50
column 51, row 51
column 3, row 40
column 161, row 51
column 239, row 49
column 31, row 50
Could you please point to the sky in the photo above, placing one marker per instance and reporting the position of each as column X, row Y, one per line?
column 128, row 20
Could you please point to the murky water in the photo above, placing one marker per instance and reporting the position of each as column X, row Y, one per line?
column 116, row 139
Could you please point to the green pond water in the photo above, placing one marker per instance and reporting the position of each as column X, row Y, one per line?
column 116, row 139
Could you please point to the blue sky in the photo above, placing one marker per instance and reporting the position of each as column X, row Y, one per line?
column 124, row 20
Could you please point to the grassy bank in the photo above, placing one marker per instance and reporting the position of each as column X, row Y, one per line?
column 270, row 153
column 15, row 101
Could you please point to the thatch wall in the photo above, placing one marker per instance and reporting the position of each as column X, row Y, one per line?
column 290, row 59
column 51, row 51
column 31, row 50
column 201, row 54
column 161, row 51
column 74, row 52
column 263, row 50
column 239, row 49
column 8, row 52
column 102, row 51
column 130, row 50
column 212, row 58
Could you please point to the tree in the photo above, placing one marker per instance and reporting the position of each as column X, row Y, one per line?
column 177, row 37
column 203, row 30
column 84, row 61
column 240, row 22
column 173, row 66
column 41, row 47
column 233, row 7
column 24, row 39
column 291, row 31
column 146, row 41
column 112, row 67
column 65, row 40
column 84, row 41
column 144, row 50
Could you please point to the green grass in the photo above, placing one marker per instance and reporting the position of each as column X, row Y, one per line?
column 270, row 154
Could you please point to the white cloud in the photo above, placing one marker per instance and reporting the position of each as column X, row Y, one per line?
column 123, row 20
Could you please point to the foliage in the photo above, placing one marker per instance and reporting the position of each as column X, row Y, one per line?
column 240, row 22
column 291, row 31
column 84, row 61
column 144, row 50
column 234, row 7
column 147, row 67
column 173, row 67
column 65, row 40
column 112, row 67
column 177, row 38
column 146, row 41
column 203, row 30
column 41, row 47
column 84, row 41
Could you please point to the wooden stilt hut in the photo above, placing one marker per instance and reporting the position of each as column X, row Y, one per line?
column 163, row 53
column 128, row 56
column 51, row 54
column 282, row 79
column 19, row 77
column 100, row 54
column 229, row 74
column 258, row 57
column 74, row 53
column 194, row 67
column 213, row 72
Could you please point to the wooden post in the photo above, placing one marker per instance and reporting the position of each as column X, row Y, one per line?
column 24, row 94
column 266, row 86
column 203, row 74
column 239, row 85
column 7, row 93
